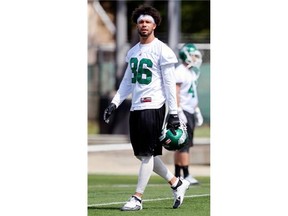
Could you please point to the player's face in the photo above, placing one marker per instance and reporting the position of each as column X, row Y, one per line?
column 195, row 57
column 145, row 27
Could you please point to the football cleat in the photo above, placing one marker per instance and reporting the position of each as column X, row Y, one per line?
column 191, row 180
column 133, row 204
column 179, row 193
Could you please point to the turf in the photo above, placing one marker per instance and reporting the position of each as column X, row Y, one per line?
column 107, row 194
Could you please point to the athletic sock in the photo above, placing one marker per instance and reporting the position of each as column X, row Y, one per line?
column 177, row 170
column 185, row 171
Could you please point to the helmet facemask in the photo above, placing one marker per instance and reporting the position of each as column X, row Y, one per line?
column 191, row 56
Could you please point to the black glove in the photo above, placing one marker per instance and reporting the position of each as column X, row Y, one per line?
column 173, row 122
column 108, row 111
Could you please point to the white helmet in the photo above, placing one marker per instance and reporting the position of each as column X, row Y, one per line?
column 186, row 53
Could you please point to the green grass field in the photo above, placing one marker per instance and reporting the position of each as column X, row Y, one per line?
column 107, row 194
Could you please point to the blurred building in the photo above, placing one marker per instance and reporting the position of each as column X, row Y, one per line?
column 101, row 43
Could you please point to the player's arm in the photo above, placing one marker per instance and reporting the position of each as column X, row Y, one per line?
column 198, row 117
column 178, row 86
column 180, row 111
column 170, row 87
column 170, row 91
column 123, row 92
column 125, row 88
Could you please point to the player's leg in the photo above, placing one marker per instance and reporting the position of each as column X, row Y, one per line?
column 143, row 128
column 181, row 162
column 181, row 157
column 145, row 171
column 178, row 185
column 135, row 201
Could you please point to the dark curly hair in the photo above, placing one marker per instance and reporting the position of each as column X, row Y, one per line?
column 146, row 10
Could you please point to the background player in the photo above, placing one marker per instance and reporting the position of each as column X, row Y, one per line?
column 187, row 75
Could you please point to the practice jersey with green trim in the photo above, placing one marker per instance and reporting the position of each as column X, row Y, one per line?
column 188, row 90
column 149, row 77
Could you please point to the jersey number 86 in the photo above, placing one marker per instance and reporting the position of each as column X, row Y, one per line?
column 142, row 74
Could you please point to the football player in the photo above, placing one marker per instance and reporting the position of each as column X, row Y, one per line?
column 187, row 75
column 150, row 78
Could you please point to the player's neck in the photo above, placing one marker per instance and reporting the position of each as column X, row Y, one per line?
column 146, row 40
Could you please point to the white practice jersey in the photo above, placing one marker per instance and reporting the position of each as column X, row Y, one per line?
column 149, row 77
column 188, row 90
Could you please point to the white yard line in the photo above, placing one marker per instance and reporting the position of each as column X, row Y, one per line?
column 109, row 147
column 146, row 200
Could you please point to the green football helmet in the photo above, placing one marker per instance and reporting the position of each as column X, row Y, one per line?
column 174, row 141
column 186, row 53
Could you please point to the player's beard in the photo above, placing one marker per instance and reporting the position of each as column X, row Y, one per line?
column 144, row 35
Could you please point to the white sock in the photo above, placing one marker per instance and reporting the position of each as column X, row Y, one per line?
column 161, row 169
column 145, row 172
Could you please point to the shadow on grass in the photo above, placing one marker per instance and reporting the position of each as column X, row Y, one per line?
column 104, row 208
column 117, row 208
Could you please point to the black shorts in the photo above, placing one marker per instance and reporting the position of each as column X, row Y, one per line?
column 145, row 130
column 190, row 130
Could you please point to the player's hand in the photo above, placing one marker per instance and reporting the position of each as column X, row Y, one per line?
column 173, row 122
column 198, row 117
column 182, row 116
column 108, row 112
